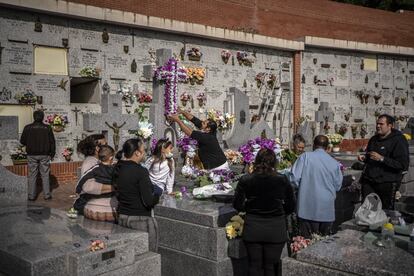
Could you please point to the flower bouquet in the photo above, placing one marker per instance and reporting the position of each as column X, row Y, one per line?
column 187, row 144
column 144, row 98
column 67, row 153
column 234, row 228
column 252, row 147
column 126, row 93
column 194, row 54
column 27, row 97
column 343, row 129
column 224, row 121
column 19, row 155
column 196, row 75
column 299, row 242
column 234, row 157
column 184, row 98
column 244, row 58
column 335, row 139
column 225, row 56
column 57, row 122
column 407, row 136
column 202, row 99
column 89, row 72
column 145, row 130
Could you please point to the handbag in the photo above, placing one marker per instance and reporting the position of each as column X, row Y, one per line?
column 370, row 213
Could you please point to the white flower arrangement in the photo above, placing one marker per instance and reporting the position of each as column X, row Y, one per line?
column 335, row 139
column 145, row 130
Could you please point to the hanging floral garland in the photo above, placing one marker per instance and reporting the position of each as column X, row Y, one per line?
column 171, row 74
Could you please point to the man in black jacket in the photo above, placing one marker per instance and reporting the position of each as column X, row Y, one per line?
column 385, row 160
column 40, row 146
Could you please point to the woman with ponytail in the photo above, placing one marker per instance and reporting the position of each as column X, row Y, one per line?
column 266, row 197
column 136, row 198
column 161, row 166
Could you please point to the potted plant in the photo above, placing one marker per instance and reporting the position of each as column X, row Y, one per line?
column 244, row 58
column 335, row 140
column 57, row 122
column 260, row 77
column 225, row 56
column 67, row 153
column 19, row 155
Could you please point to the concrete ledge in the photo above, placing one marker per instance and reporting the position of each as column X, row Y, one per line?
column 292, row 267
column 65, row 8
column 356, row 46
column 148, row 264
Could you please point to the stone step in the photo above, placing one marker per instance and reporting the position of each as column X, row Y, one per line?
column 147, row 264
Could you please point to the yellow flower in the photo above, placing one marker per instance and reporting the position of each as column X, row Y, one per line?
column 407, row 136
column 388, row 226
column 230, row 231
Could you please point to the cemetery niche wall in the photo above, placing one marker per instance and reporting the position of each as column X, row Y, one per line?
column 357, row 87
column 100, row 58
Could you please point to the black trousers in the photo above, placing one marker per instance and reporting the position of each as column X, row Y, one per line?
column 309, row 227
column 264, row 258
column 386, row 192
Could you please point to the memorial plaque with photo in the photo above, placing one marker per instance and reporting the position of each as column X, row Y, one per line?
column 47, row 87
column 343, row 96
column 341, row 77
column 18, row 83
column 339, row 112
column 385, row 81
column 91, row 59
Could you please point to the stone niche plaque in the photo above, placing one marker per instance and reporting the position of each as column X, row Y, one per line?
column 341, row 77
column 385, row 64
column 342, row 95
column 9, row 127
column 327, row 93
column 385, row 81
column 18, row 57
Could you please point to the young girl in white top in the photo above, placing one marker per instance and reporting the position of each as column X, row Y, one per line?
column 161, row 166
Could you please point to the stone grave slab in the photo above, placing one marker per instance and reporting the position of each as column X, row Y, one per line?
column 193, row 238
column 13, row 188
column 9, row 127
column 259, row 128
column 43, row 241
column 346, row 254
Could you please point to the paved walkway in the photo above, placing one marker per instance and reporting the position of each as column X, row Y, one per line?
column 62, row 197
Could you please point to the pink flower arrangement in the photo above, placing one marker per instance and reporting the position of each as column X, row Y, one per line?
column 185, row 97
column 299, row 243
column 67, row 151
column 57, row 120
column 144, row 97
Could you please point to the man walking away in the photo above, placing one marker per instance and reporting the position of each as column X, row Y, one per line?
column 40, row 146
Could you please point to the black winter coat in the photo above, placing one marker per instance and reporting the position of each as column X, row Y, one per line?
column 38, row 139
column 394, row 148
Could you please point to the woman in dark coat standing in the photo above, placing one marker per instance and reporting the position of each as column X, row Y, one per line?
column 266, row 197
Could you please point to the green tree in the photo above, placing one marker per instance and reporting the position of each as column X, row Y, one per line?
column 388, row 5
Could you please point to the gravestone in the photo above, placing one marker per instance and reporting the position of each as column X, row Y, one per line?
column 9, row 128
column 240, row 132
column 13, row 188
column 156, row 116
column 308, row 132
column 324, row 115
column 261, row 128
column 111, row 113
column 42, row 241
column 192, row 237
column 348, row 254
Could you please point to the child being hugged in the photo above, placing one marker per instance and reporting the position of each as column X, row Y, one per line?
column 161, row 166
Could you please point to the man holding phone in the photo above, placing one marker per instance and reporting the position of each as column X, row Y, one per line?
column 385, row 160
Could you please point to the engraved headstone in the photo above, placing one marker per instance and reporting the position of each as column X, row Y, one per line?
column 13, row 188
column 9, row 127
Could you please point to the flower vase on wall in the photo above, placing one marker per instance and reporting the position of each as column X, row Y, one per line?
column 68, row 158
